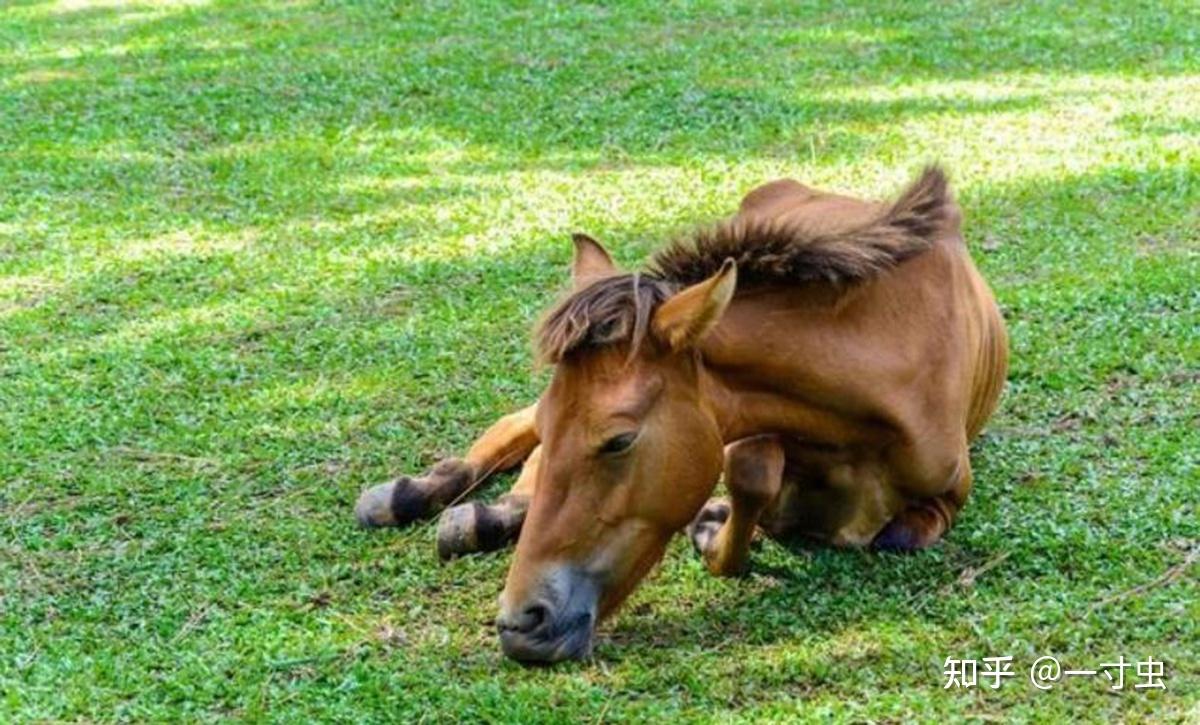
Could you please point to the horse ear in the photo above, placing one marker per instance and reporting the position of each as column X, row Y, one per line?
column 685, row 318
column 591, row 262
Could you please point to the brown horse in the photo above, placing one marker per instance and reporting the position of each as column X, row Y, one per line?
column 833, row 357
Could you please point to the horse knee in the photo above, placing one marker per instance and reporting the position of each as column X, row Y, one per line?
column 754, row 469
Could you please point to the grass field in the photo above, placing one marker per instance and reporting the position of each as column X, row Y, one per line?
column 254, row 257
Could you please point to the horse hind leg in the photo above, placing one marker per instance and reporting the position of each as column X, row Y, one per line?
column 406, row 499
column 917, row 527
column 924, row 522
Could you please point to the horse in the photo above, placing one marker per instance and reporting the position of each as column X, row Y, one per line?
column 831, row 359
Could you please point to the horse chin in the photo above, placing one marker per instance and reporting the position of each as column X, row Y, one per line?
column 573, row 644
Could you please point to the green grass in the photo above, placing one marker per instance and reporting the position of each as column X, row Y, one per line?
column 254, row 257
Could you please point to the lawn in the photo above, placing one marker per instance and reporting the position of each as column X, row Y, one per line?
column 257, row 256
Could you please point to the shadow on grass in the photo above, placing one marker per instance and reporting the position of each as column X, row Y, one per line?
column 192, row 123
column 402, row 335
column 587, row 81
column 1098, row 215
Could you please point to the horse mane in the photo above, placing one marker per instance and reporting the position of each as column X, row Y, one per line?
column 769, row 250
column 617, row 309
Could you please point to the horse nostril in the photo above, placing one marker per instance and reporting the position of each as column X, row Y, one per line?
column 534, row 616
column 530, row 620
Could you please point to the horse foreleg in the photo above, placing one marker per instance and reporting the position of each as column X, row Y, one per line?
column 475, row 527
column 722, row 533
column 396, row 503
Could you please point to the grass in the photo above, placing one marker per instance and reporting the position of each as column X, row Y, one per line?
column 254, row 257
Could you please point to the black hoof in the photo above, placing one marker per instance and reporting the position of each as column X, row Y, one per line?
column 899, row 537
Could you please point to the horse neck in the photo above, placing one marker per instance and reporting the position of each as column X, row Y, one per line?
column 767, row 366
column 829, row 366
column 743, row 412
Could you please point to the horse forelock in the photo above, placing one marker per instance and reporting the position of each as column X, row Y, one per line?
column 610, row 311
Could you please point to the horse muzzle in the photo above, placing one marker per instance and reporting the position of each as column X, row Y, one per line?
column 555, row 624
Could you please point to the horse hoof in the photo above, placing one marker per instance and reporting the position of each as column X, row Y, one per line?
column 703, row 529
column 400, row 502
column 374, row 507
column 458, row 530
column 394, row 503
column 475, row 528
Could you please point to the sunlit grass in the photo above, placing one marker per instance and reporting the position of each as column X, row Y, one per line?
column 255, row 256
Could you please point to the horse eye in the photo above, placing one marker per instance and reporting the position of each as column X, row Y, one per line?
column 618, row 443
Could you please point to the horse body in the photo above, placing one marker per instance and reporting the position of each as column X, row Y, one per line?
column 874, row 392
column 830, row 358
